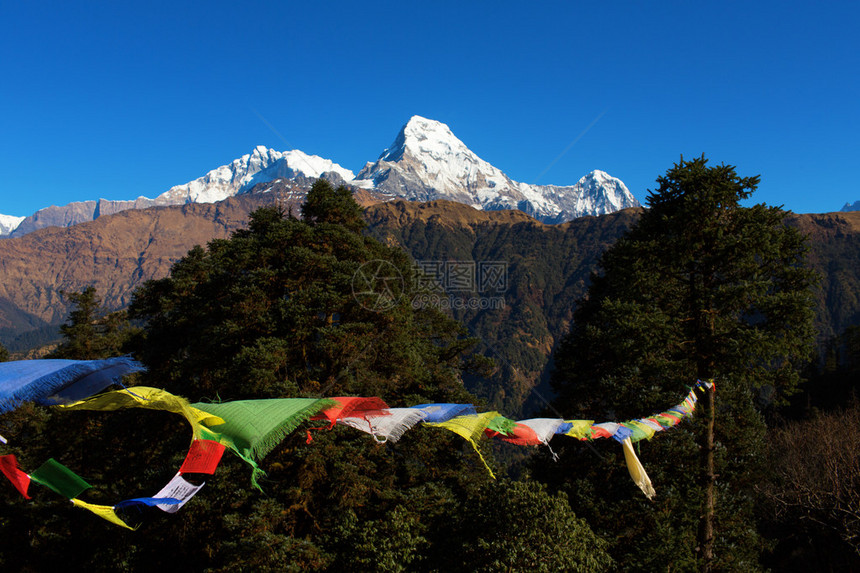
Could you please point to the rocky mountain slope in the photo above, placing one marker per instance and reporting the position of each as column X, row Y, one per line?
column 834, row 251
column 113, row 253
column 116, row 253
column 546, row 268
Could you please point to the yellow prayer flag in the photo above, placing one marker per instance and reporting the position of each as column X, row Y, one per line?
column 580, row 429
column 471, row 428
column 152, row 399
column 637, row 470
column 648, row 430
column 103, row 511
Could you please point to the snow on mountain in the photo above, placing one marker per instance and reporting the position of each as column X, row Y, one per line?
column 850, row 207
column 9, row 223
column 260, row 166
column 426, row 161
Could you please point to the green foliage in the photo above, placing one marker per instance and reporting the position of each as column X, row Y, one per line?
column 4, row 354
column 274, row 311
column 287, row 308
column 90, row 333
column 325, row 204
column 836, row 378
column 395, row 542
column 518, row 526
column 700, row 288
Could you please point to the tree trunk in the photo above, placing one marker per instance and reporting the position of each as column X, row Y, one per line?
column 706, row 528
column 704, row 333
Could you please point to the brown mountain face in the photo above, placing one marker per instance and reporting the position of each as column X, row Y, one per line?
column 834, row 251
column 114, row 254
column 518, row 320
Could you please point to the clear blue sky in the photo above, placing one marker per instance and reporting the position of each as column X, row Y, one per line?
column 115, row 100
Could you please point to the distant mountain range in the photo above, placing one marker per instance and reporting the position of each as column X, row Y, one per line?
column 850, row 207
column 425, row 162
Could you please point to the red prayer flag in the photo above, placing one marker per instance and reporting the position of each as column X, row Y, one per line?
column 9, row 467
column 522, row 435
column 598, row 432
column 352, row 406
column 203, row 457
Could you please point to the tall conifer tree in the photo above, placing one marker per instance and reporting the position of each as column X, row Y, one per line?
column 700, row 288
column 90, row 332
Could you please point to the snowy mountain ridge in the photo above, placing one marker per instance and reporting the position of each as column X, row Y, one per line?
column 260, row 166
column 426, row 161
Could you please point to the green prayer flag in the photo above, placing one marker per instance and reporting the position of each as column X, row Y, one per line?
column 253, row 428
column 54, row 475
column 256, row 427
column 502, row 425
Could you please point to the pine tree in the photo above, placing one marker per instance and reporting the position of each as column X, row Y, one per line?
column 90, row 332
column 327, row 205
column 289, row 307
column 700, row 288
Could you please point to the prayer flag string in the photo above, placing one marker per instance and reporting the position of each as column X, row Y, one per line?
column 253, row 428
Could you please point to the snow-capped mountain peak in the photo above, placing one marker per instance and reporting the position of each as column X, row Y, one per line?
column 426, row 136
column 262, row 165
column 427, row 161
column 9, row 223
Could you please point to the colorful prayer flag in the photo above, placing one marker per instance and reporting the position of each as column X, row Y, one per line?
column 104, row 511
column 57, row 477
column 351, row 406
column 436, row 413
column 54, row 382
column 637, row 470
column 178, row 489
column 151, row 399
column 9, row 467
column 203, row 457
column 387, row 426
